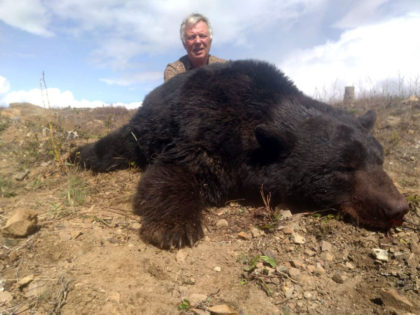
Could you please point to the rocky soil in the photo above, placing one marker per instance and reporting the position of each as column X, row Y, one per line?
column 78, row 250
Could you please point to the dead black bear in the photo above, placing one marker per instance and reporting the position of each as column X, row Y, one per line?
column 224, row 130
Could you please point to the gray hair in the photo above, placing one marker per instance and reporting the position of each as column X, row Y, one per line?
column 194, row 19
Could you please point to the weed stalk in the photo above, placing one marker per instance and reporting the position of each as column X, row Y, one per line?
column 46, row 101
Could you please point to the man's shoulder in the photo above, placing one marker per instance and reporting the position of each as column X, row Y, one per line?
column 180, row 64
column 214, row 59
column 174, row 68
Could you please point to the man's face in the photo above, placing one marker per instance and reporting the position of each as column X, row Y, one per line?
column 197, row 43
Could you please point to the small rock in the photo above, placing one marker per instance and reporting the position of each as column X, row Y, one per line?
column 244, row 236
column 392, row 298
column 298, row 239
column 349, row 265
column 294, row 272
column 72, row 134
column 256, row 232
column 412, row 261
column 22, row 223
column 319, row 270
column 306, row 280
column 287, row 230
column 327, row 256
column 285, row 214
column 5, row 297
column 288, row 291
column 222, row 223
column 36, row 288
column 259, row 265
column 21, row 176
column 289, row 248
column 136, row 226
column 197, row 311
column 45, row 131
column 393, row 250
column 222, row 309
column 217, row 268
column 25, row 281
column 380, row 254
column 310, row 252
column 326, row 246
column 190, row 281
column 308, row 295
column 338, row 278
column 196, row 298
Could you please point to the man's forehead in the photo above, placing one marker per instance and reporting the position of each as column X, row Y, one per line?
column 200, row 26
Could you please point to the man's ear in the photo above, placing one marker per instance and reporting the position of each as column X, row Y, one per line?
column 274, row 144
column 368, row 120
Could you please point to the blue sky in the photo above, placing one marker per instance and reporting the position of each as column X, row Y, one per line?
column 101, row 52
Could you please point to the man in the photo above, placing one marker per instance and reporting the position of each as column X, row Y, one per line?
column 196, row 35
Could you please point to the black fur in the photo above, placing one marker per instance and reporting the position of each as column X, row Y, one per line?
column 224, row 130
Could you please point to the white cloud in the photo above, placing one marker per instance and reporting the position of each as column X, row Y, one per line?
column 132, row 105
column 55, row 98
column 116, row 53
column 364, row 56
column 141, row 36
column 122, row 30
column 4, row 85
column 4, row 88
column 28, row 15
column 134, row 79
column 360, row 13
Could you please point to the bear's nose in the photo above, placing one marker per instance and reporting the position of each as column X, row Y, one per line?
column 397, row 209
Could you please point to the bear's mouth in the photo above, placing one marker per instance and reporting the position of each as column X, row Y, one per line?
column 398, row 221
column 369, row 219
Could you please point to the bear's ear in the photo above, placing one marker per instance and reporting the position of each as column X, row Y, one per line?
column 368, row 120
column 273, row 142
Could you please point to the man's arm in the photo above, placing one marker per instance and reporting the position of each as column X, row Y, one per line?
column 170, row 72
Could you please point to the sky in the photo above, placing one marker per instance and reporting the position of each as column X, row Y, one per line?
column 92, row 53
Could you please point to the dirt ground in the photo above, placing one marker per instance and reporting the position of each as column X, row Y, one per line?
column 86, row 256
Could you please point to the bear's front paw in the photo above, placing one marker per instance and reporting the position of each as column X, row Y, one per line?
column 171, row 235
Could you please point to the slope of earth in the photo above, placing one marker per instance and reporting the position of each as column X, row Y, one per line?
column 86, row 256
